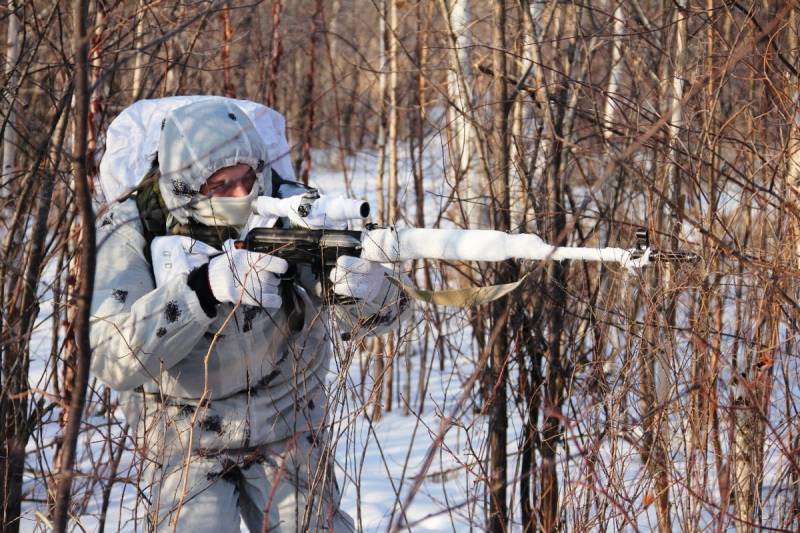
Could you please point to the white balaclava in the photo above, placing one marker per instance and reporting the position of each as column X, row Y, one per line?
column 197, row 140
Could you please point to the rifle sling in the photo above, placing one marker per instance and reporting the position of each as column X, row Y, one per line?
column 460, row 297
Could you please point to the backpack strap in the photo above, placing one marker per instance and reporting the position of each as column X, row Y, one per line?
column 152, row 210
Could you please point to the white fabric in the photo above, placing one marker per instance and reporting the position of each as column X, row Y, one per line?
column 160, row 338
column 132, row 141
column 247, row 276
column 175, row 256
column 327, row 212
column 291, row 483
column 392, row 246
column 157, row 336
column 258, row 221
column 361, row 279
column 224, row 210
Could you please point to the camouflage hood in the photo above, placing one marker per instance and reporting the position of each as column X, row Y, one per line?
column 197, row 140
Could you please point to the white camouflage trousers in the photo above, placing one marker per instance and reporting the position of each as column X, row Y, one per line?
column 290, row 482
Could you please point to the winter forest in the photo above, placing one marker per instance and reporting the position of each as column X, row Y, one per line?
column 592, row 397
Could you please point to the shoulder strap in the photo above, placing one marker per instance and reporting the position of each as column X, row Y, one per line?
column 152, row 210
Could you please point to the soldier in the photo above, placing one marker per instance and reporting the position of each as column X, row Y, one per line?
column 227, row 394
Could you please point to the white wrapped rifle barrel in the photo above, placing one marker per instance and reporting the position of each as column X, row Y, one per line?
column 387, row 245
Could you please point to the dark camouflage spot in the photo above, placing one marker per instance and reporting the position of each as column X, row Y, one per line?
column 161, row 332
column 385, row 317
column 250, row 312
column 185, row 411
column 230, row 472
column 311, row 404
column 266, row 380
column 210, row 336
column 310, row 439
column 120, row 295
column 231, row 116
column 181, row 188
column 106, row 221
column 212, row 423
column 283, row 357
column 246, row 437
column 172, row 312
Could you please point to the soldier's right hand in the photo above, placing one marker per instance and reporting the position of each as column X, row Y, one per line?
column 249, row 277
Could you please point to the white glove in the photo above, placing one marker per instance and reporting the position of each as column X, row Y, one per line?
column 175, row 255
column 362, row 279
column 249, row 277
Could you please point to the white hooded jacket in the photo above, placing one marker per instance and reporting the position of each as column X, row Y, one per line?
column 232, row 381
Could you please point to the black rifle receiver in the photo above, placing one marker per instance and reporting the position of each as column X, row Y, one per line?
column 319, row 248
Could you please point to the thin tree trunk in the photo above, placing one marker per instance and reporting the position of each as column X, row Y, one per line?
column 417, row 148
column 751, row 405
column 379, row 362
column 383, row 116
column 13, row 49
column 390, row 26
column 96, row 98
column 228, row 88
column 463, row 137
column 499, row 186
column 276, row 51
column 393, row 67
column 378, row 370
column 561, row 128
column 615, row 76
column 308, row 107
column 793, row 143
column 137, row 85
column 87, row 257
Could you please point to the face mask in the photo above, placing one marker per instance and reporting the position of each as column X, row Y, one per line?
column 224, row 210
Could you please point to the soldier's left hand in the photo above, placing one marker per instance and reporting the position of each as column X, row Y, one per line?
column 365, row 280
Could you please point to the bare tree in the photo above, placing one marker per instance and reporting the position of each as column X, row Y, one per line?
column 80, row 14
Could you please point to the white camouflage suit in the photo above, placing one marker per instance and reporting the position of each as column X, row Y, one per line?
column 230, row 409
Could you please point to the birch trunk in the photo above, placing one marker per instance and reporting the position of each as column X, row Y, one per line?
column 463, row 137
column 616, row 71
column 139, row 58
column 793, row 143
column 12, row 411
column 379, row 361
column 751, row 406
column 13, row 49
